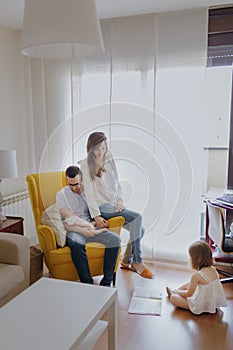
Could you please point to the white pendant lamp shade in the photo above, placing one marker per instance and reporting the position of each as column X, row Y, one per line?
column 61, row 29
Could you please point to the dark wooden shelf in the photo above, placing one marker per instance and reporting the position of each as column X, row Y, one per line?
column 13, row 224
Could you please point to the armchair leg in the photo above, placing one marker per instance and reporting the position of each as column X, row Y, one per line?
column 114, row 279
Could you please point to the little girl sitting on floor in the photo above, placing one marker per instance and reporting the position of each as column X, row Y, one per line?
column 204, row 292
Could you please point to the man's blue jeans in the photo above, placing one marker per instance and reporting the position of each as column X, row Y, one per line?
column 77, row 244
column 133, row 223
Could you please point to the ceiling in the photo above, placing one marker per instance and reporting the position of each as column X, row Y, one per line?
column 11, row 11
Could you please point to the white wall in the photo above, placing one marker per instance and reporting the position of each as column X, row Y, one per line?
column 216, row 124
column 15, row 127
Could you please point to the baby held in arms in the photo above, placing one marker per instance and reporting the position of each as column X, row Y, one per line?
column 73, row 222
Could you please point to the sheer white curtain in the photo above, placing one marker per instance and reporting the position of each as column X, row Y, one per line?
column 51, row 106
column 180, row 82
column 145, row 93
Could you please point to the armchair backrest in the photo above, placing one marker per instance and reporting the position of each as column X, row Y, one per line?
column 42, row 188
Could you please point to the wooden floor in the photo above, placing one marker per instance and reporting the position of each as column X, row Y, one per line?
column 175, row 329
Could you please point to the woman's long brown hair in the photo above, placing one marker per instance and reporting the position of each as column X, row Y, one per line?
column 94, row 140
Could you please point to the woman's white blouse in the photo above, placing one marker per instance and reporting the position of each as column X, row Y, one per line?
column 104, row 189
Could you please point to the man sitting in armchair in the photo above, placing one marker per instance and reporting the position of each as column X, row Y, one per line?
column 72, row 197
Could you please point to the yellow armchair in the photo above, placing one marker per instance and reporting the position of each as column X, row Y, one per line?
column 42, row 189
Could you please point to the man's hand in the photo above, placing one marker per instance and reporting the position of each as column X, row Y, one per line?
column 101, row 222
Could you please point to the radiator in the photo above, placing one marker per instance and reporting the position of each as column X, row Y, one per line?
column 18, row 204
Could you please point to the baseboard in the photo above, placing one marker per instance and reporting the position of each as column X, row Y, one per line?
column 172, row 264
column 169, row 263
column 184, row 265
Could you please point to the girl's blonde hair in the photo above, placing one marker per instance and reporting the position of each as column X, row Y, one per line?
column 201, row 255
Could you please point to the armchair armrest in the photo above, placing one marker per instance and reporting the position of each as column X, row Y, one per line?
column 46, row 238
column 116, row 223
column 15, row 250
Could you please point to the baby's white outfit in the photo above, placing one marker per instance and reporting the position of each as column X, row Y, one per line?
column 207, row 297
column 74, row 219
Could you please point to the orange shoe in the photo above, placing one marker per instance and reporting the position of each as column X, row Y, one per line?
column 139, row 268
column 147, row 273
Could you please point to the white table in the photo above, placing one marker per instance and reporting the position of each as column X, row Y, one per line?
column 56, row 314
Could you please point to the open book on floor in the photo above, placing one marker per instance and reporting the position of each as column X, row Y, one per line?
column 145, row 301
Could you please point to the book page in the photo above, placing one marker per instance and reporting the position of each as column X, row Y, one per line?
column 150, row 293
column 145, row 301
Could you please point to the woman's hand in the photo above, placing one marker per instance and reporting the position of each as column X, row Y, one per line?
column 101, row 222
column 119, row 207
